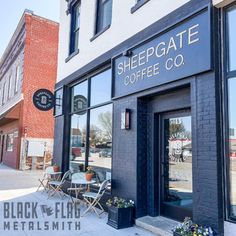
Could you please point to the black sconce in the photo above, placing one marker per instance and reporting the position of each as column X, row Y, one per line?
column 127, row 53
column 126, row 119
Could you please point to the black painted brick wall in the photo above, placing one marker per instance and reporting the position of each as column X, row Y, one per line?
column 142, row 159
column 207, row 173
column 124, row 151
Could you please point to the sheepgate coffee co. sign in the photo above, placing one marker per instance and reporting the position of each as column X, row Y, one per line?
column 183, row 51
column 43, row 99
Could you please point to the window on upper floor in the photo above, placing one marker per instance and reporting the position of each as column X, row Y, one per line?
column 104, row 15
column 138, row 4
column 9, row 87
column 17, row 79
column 75, row 28
column 3, row 93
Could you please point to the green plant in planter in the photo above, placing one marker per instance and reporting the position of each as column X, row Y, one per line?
column 188, row 228
column 120, row 202
column 120, row 212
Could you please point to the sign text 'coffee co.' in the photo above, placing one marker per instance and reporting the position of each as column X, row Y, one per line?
column 43, row 99
column 183, row 51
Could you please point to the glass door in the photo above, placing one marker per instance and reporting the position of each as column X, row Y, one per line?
column 176, row 165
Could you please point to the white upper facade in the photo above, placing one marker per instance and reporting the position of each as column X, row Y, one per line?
column 124, row 25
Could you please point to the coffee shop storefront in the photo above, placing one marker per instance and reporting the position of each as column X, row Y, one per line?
column 150, row 114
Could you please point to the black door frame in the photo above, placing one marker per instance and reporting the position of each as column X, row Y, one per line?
column 178, row 213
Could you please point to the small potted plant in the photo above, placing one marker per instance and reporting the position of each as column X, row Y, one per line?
column 89, row 173
column 188, row 228
column 56, row 168
column 120, row 212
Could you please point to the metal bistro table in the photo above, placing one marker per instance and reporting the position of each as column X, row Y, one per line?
column 78, row 182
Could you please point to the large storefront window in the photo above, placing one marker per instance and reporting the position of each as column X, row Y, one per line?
column 231, row 19
column 100, row 140
column 232, row 145
column 101, row 92
column 91, row 125
column 78, row 141
column 231, row 80
column 79, row 97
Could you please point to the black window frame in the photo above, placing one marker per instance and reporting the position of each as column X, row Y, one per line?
column 17, row 79
column 88, row 111
column 59, row 101
column 73, row 48
column 97, row 31
column 9, row 87
column 139, row 3
column 227, row 75
column 4, row 92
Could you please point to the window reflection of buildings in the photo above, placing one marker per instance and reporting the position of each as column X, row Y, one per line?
column 231, row 80
column 99, row 124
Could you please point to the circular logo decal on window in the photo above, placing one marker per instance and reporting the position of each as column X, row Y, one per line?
column 80, row 103
column 43, row 99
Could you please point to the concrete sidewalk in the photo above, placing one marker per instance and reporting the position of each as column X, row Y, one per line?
column 20, row 187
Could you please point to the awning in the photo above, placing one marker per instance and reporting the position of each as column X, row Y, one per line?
column 10, row 115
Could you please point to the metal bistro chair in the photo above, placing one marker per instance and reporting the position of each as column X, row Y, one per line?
column 76, row 189
column 44, row 181
column 56, row 186
column 93, row 199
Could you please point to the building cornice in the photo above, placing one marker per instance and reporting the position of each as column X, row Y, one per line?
column 14, row 37
column 17, row 42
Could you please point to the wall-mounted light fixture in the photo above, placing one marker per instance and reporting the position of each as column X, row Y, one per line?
column 126, row 119
column 127, row 53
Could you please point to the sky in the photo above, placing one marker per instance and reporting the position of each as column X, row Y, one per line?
column 12, row 10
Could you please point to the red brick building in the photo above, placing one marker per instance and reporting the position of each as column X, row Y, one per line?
column 28, row 64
